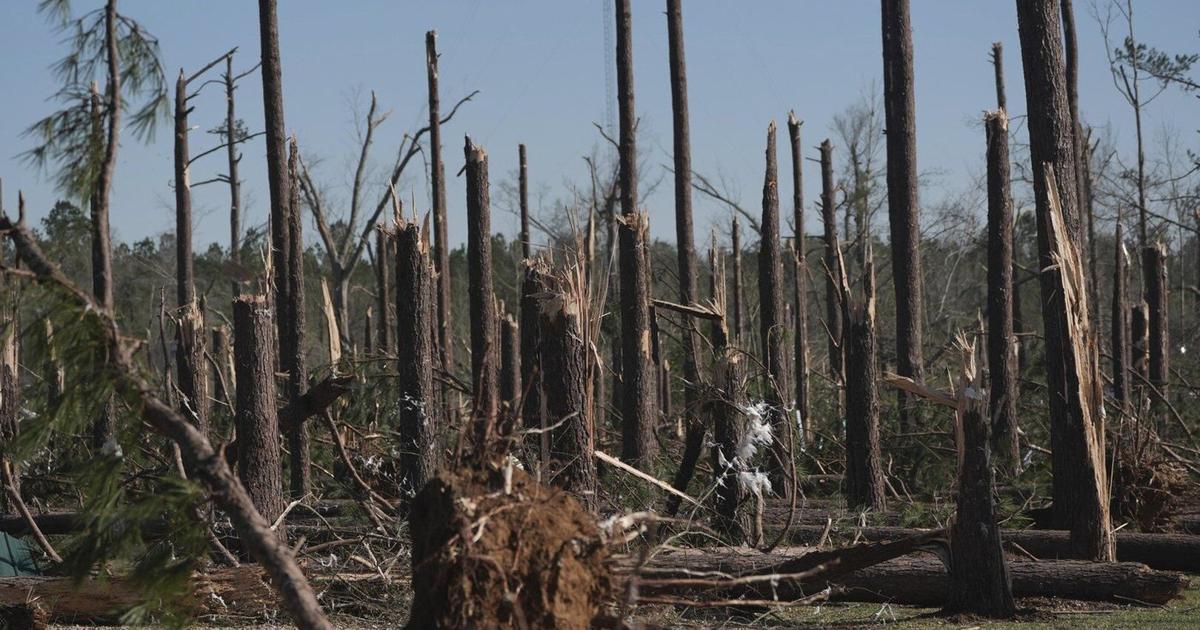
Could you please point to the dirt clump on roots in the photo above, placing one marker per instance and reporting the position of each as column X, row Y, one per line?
column 493, row 548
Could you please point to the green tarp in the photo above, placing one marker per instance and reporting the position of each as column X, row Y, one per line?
column 17, row 557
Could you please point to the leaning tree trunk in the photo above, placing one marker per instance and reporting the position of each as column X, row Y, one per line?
column 903, row 213
column 418, row 420
column 864, row 483
column 256, row 418
column 833, row 270
column 437, row 180
column 291, row 342
column 1076, row 419
column 800, row 310
column 979, row 573
column 484, row 351
column 637, row 417
column 1001, row 342
column 1119, row 337
column 773, row 326
column 564, row 356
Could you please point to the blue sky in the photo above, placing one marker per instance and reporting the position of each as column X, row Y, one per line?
column 539, row 66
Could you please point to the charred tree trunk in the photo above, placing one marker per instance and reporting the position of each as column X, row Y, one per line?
column 1076, row 413
column 291, row 342
column 833, row 270
column 978, row 571
column 441, row 247
column 1119, row 337
column 533, row 287
column 1001, row 343
column 637, row 417
column 903, row 213
column 1154, row 273
column 258, row 462
column 523, row 190
column 864, row 467
column 383, row 293
column 418, row 420
column 801, row 287
column 737, row 335
column 484, row 350
column 564, row 356
column 235, row 185
column 773, row 325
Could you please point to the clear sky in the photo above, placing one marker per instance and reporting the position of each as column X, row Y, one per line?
column 539, row 66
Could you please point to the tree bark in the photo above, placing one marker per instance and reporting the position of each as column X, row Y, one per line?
column 510, row 371
column 224, row 384
column 259, row 466
column 383, row 292
column 637, row 417
column 800, row 309
column 903, row 211
column 723, row 403
column 1001, row 342
column 1076, row 412
column 523, row 191
column 1120, row 335
column 235, row 186
column 533, row 287
column 1154, row 272
column 291, row 342
column 737, row 333
column 278, row 180
column 185, row 285
column 484, row 350
column 864, row 467
column 437, row 178
column 833, row 270
column 192, row 367
column 564, row 356
column 773, row 326
column 418, row 421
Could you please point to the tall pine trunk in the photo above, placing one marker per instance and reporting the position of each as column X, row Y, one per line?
column 484, row 350
column 800, row 308
column 832, row 271
column 1001, row 342
column 437, row 180
column 256, row 417
column 419, row 419
column 773, row 325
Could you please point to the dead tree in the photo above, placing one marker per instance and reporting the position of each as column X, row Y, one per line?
column 1119, row 326
column 419, row 419
column 800, row 309
column 903, row 211
column 437, row 181
column 772, row 324
column 1001, row 342
column 1154, row 273
column 979, row 573
column 1017, row 319
column 637, row 395
column 221, row 353
column 688, row 292
column 736, row 331
column 291, row 340
column 278, row 182
column 864, row 483
column 185, row 286
column 564, row 356
column 232, row 134
column 383, row 292
column 1139, row 341
column 510, row 369
column 1078, row 141
column 833, row 269
column 484, row 351
column 256, row 418
column 194, row 390
column 523, row 191
column 533, row 288
column 1076, row 416
column 723, row 403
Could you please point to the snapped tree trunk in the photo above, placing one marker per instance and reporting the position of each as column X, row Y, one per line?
column 864, row 483
column 800, row 309
column 291, row 341
column 257, row 419
column 510, row 371
column 235, row 186
column 723, row 402
column 383, row 292
column 523, row 191
column 1154, row 274
column 1001, row 342
column 903, row 213
column 533, row 287
column 1076, row 412
column 418, row 420
column 773, row 326
column 484, row 351
column 193, row 367
column 637, row 413
column 1119, row 326
column 437, row 181
column 737, row 334
column 833, row 270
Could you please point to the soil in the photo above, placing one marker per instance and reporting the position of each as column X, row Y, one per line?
column 487, row 554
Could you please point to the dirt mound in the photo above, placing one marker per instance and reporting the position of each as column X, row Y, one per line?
column 494, row 554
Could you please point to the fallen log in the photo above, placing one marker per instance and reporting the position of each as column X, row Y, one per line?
column 1167, row 552
column 910, row 580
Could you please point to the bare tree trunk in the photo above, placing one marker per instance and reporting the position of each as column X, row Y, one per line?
column 484, row 351
column 737, row 333
column 1071, row 75
column 291, row 342
column 637, row 434
column 833, row 270
column 383, row 292
column 278, row 180
column 533, row 287
column 801, row 268
column 1001, row 343
column 441, row 247
column 224, row 384
column 258, row 462
column 722, row 402
column 772, row 324
column 903, row 211
column 979, row 573
column 1076, row 420
column 193, row 373
column 523, row 190
column 185, row 286
column 1139, row 339
column 104, row 427
column 1154, row 273
column 235, row 186
column 864, row 466
column 419, row 417
column 564, row 355
column 1018, row 319
column 1119, row 337
column 688, row 292
column 510, row 371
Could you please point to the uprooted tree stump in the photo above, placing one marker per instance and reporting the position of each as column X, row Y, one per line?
column 493, row 548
